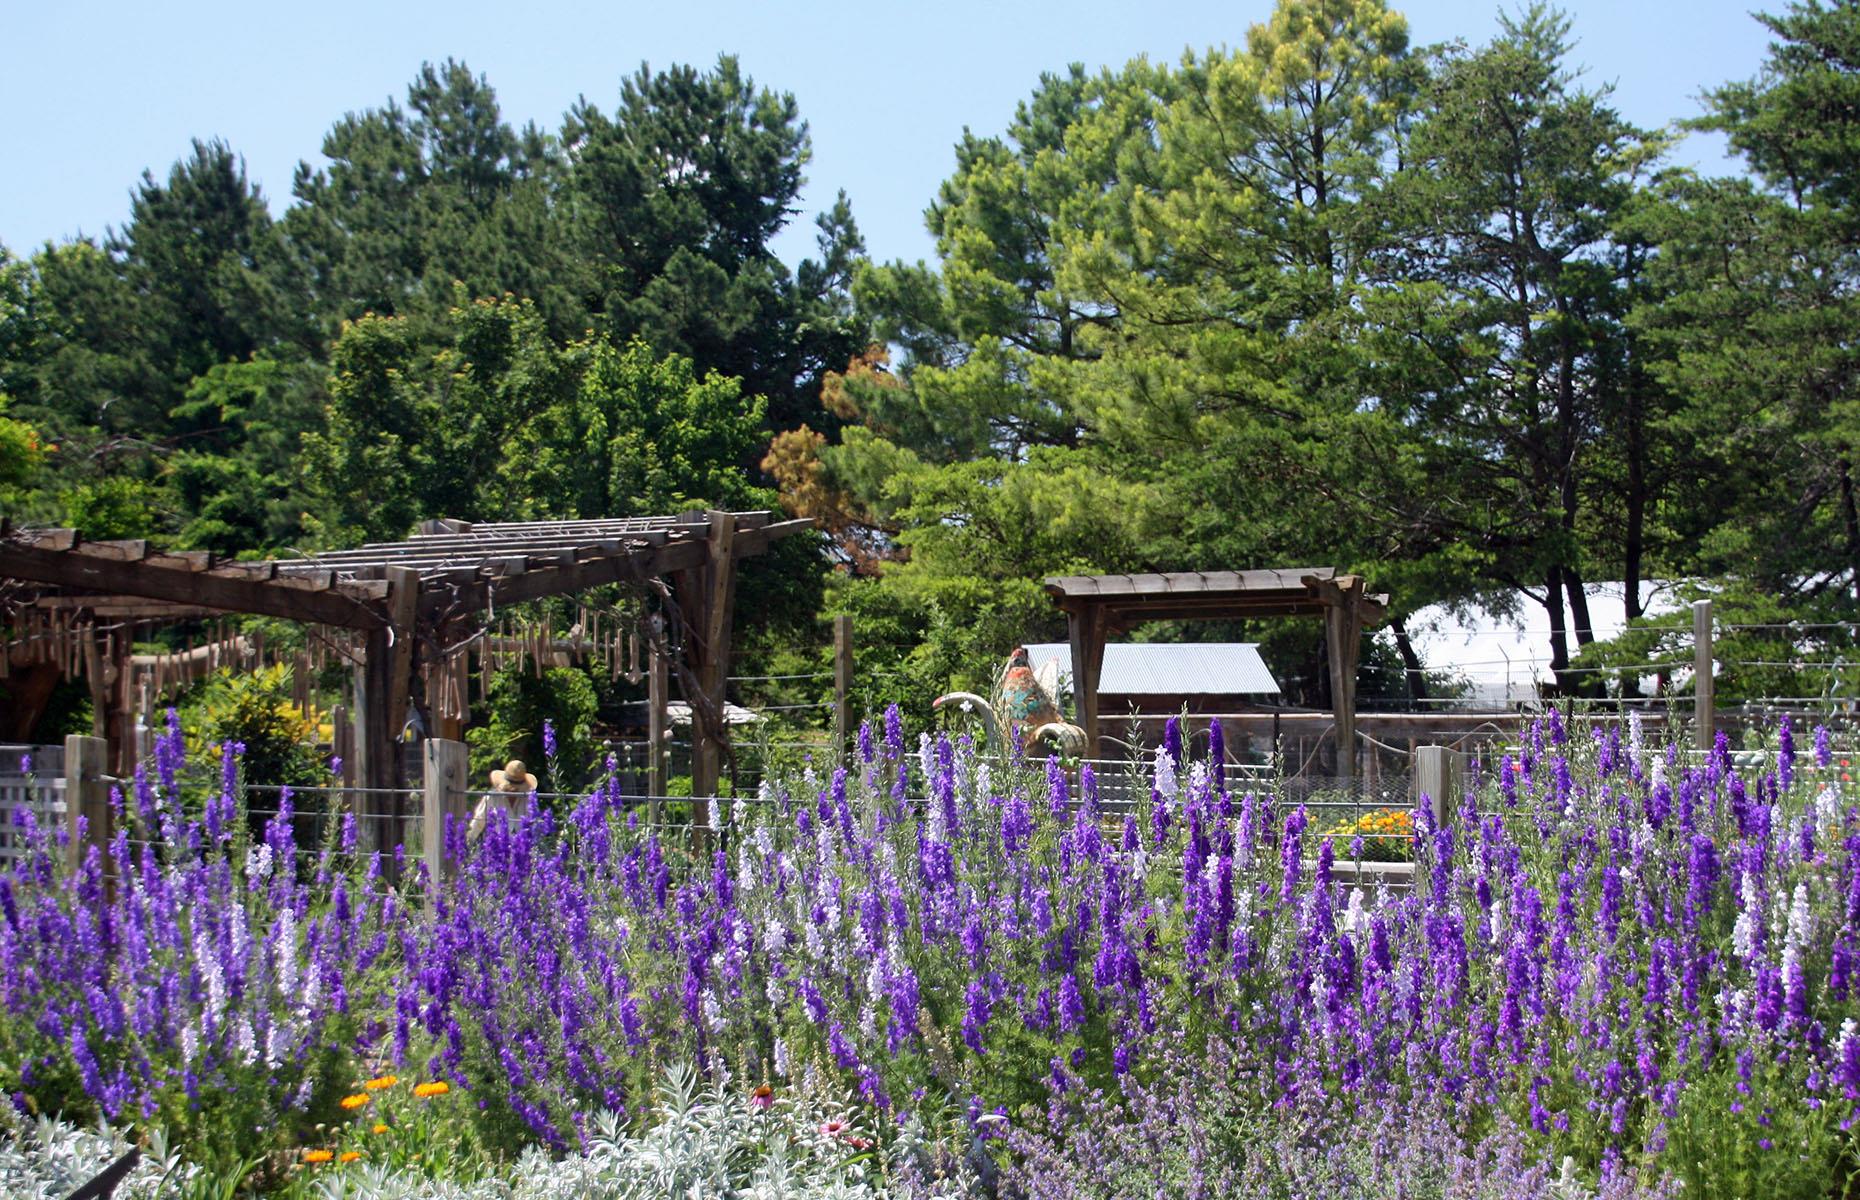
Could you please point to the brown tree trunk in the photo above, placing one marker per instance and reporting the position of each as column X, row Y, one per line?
column 1578, row 607
column 1404, row 646
column 1634, row 542
column 1851, row 520
column 1559, row 633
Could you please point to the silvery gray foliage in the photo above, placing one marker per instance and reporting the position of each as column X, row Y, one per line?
column 46, row 1159
column 706, row 1143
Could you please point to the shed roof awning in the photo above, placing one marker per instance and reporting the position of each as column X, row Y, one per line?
column 1130, row 600
column 1170, row 669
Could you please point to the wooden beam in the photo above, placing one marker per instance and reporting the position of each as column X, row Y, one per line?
column 1343, row 631
column 127, row 607
column 719, row 591
column 87, row 795
column 403, row 612
column 330, row 605
column 374, row 742
column 1086, row 628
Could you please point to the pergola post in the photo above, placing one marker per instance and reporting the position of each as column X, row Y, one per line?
column 112, row 713
column 717, row 590
column 1343, row 633
column 374, row 745
column 1085, row 628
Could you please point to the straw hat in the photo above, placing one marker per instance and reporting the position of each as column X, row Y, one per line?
column 513, row 778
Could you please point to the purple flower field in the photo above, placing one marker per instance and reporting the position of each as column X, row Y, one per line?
column 1619, row 971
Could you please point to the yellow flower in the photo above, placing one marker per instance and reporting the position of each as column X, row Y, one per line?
column 436, row 1088
column 355, row 1101
column 317, row 1156
column 351, row 1155
column 380, row 1082
column 381, row 1127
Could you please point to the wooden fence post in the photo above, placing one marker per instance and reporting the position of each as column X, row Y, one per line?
column 842, row 681
column 1702, row 674
column 1436, row 776
column 87, row 795
column 443, row 796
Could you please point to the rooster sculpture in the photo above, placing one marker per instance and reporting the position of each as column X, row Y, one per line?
column 1024, row 704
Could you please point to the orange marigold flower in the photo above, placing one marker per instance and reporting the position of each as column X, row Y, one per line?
column 437, row 1087
column 355, row 1101
column 317, row 1156
column 381, row 1081
column 381, row 1127
column 351, row 1155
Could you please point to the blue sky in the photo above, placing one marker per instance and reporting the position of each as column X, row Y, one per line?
column 95, row 93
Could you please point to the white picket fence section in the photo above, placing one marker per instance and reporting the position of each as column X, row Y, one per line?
column 42, row 791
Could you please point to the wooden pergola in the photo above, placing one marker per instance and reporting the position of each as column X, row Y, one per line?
column 1100, row 607
column 406, row 602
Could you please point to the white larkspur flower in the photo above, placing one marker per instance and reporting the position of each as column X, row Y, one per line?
column 1165, row 781
column 245, row 1040
column 1828, row 815
column 284, row 952
column 1801, row 919
column 1354, row 918
column 212, row 975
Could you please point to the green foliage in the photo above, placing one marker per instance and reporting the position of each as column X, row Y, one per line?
column 117, row 506
column 637, row 434
column 23, row 454
column 500, row 423
column 255, row 709
column 238, row 484
column 521, row 701
column 1751, row 310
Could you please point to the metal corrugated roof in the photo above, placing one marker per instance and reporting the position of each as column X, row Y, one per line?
column 1170, row 668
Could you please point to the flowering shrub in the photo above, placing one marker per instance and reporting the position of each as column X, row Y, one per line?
column 1611, row 954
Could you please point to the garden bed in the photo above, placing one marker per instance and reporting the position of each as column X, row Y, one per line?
column 1608, row 967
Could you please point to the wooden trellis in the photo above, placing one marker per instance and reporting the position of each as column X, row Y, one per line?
column 1099, row 607
column 392, row 610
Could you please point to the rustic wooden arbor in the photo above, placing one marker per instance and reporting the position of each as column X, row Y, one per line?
column 1099, row 607
column 407, row 602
